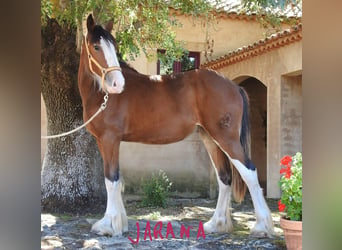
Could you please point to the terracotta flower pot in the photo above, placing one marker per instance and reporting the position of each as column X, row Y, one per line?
column 293, row 233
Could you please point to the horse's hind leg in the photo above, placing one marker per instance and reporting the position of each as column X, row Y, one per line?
column 114, row 221
column 221, row 220
column 233, row 149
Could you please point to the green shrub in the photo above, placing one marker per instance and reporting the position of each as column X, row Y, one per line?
column 156, row 190
column 154, row 215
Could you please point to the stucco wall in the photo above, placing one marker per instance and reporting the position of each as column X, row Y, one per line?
column 228, row 34
column 291, row 115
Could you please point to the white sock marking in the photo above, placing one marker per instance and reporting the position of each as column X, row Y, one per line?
column 114, row 221
column 221, row 220
column 114, row 197
column 263, row 215
column 222, row 211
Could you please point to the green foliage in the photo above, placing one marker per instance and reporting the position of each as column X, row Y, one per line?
column 155, row 215
column 138, row 25
column 45, row 10
column 291, row 187
column 187, row 63
column 272, row 13
column 149, row 24
column 156, row 190
column 269, row 3
column 167, row 62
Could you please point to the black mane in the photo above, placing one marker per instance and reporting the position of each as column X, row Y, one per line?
column 99, row 32
column 124, row 64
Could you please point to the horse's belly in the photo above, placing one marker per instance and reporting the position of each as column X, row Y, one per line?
column 159, row 135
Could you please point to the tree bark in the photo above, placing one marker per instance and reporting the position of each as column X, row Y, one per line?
column 72, row 173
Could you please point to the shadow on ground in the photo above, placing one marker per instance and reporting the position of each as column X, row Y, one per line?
column 67, row 231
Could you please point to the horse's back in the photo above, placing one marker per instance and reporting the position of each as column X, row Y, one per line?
column 214, row 92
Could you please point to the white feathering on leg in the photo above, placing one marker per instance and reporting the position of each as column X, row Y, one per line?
column 264, row 223
column 221, row 220
column 114, row 221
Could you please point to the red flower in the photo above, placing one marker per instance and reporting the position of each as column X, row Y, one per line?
column 282, row 170
column 281, row 206
column 287, row 172
column 286, row 160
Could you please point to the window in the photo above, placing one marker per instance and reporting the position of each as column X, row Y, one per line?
column 187, row 62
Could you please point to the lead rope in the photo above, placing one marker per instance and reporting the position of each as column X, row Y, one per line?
column 102, row 107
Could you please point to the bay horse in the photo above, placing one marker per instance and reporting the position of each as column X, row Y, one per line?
column 165, row 109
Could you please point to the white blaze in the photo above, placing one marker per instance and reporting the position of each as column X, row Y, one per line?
column 114, row 80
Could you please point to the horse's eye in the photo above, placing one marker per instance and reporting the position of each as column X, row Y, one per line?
column 96, row 47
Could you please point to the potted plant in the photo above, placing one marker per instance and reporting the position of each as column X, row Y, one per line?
column 291, row 200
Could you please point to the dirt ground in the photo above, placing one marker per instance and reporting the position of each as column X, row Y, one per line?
column 68, row 231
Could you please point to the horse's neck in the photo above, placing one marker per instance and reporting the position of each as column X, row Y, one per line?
column 129, row 70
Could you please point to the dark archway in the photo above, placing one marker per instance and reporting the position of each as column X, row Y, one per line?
column 257, row 92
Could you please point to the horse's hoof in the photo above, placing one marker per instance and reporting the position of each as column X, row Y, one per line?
column 208, row 227
column 111, row 225
column 262, row 233
column 217, row 226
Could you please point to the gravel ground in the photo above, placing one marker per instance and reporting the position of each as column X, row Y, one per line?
column 68, row 231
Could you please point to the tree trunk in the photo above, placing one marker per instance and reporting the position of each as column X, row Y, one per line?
column 72, row 173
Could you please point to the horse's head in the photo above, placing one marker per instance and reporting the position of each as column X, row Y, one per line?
column 102, row 58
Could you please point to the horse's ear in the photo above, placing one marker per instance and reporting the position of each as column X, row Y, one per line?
column 109, row 26
column 90, row 23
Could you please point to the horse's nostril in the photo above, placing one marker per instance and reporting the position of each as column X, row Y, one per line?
column 114, row 84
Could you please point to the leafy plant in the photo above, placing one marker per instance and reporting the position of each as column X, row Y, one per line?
column 156, row 190
column 155, row 215
column 45, row 10
column 140, row 26
column 272, row 13
column 291, row 186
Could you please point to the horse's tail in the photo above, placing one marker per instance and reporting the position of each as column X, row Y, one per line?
column 245, row 134
column 238, row 185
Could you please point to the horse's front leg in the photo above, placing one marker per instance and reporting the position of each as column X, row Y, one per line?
column 114, row 221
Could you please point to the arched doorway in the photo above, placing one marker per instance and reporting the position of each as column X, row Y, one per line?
column 257, row 92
